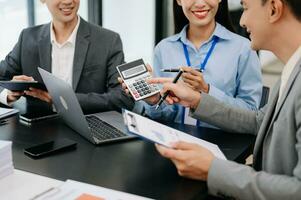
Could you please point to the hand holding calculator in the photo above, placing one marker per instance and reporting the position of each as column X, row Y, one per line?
column 134, row 75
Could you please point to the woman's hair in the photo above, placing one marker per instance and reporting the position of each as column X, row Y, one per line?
column 222, row 16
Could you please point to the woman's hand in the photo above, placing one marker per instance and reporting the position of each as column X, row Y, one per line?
column 195, row 80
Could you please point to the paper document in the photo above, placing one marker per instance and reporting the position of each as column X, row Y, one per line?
column 162, row 134
column 21, row 185
column 6, row 159
column 5, row 112
column 73, row 190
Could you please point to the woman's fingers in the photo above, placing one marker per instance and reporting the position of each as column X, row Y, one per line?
column 149, row 68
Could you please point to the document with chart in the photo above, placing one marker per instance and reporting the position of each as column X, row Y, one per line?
column 162, row 134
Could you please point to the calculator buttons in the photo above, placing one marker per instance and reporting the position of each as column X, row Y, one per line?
column 140, row 88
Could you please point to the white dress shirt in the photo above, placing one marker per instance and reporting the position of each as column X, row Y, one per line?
column 63, row 55
column 62, row 58
column 287, row 70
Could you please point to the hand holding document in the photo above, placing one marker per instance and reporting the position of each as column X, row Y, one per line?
column 162, row 134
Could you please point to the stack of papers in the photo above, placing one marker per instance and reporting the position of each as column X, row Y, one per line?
column 164, row 135
column 6, row 161
column 73, row 190
column 5, row 112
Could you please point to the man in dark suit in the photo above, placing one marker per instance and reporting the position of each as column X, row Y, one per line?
column 82, row 54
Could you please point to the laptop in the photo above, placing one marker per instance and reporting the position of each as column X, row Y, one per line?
column 97, row 128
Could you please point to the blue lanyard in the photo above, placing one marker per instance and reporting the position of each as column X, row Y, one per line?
column 204, row 63
column 202, row 67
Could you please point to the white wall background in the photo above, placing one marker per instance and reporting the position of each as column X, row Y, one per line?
column 13, row 18
column 134, row 20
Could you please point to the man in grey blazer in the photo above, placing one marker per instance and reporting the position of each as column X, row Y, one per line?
column 273, row 25
column 82, row 54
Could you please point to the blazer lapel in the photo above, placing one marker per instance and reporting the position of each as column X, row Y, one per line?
column 45, row 49
column 286, row 91
column 271, row 116
column 81, row 49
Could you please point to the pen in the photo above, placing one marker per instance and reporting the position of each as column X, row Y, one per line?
column 42, row 193
column 177, row 70
column 167, row 93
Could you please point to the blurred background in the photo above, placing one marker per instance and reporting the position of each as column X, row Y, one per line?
column 140, row 23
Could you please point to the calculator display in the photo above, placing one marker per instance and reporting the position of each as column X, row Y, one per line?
column 133, row 71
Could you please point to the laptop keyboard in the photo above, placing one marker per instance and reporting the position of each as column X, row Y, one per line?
column 102, row 130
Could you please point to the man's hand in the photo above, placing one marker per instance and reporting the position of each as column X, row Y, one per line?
column 40, row 94
column 191, row 160
column 195, row 80
column 179, row 92
column 150, row 100
column 13, row 96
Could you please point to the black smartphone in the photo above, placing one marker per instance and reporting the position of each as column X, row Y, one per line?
column 51, row 147
column 37, row 116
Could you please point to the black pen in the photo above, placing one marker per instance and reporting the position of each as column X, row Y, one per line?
column 162, row 99
column 177, row 70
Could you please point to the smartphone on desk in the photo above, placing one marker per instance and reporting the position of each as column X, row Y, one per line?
column 36, row 116
column 51, row 147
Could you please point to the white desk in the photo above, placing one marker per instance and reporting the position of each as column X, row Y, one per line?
column 24, row 185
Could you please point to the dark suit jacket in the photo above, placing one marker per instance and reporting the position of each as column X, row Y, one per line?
column 97, row 53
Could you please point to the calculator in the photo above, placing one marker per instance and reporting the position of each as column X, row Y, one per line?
column 134, row 75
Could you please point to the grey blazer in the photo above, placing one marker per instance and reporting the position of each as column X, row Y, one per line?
column 276, row 172
column 97, row 53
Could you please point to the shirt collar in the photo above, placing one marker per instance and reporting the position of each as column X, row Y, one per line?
column 72, row 38
column 292, row 62
column 219, row 31
column 288, row 69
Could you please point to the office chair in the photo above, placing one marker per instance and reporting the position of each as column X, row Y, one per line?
column 264, row 96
